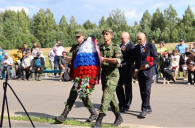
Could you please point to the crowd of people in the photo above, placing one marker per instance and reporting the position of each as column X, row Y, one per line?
column 29, row 63
column 172, row 63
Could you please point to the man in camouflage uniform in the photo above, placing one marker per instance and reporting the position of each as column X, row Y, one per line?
column 111, row 58
column 80, row 35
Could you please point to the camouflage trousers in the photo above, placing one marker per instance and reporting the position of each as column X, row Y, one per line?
column 109, row 84
column 73, row 96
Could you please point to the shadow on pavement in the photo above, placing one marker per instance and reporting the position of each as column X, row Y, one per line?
column 36, row 114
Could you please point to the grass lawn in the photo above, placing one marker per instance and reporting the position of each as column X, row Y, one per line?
column 50, row 120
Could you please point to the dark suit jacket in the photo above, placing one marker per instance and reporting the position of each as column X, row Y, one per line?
column 140, row 58
column 127, row 53
column 33, row 63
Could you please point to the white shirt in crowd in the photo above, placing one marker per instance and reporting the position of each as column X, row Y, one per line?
column 51, row 55
column 58, row 50
column 9, row 60
column 175, row 60
column 27, row 61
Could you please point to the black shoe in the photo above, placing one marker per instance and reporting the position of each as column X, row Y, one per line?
column 127, row 109
column 98, row 123
column 122, row 109
column 118, row 119
column 63, row 116
column 93, row 115
column 143, row 114
column 149, row 111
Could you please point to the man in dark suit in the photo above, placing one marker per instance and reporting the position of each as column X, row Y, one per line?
column 125, row 97
column 144, row 71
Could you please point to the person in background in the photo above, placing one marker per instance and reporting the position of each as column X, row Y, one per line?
column 25, row 47
column 166, row 68
column 191, row 71
column 2, row 53
column 7, row 63
column 51, row 56
column 58, row 53
column 181, row 47
column 37, row 66
column 34, row 52
column 183, row 65
column 33, row 47
column 41, row 53
column 160, row 51
column 63, row 64
column 191, row 46
column 175, row 63
column 16, row 55
column 25, row 66
column 152, row 41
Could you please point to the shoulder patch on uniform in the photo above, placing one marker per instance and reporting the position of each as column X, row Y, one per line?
column 117, row 54
column 115, row 44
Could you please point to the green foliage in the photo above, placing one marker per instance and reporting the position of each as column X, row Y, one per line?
column 17, row 28
column 67, row 122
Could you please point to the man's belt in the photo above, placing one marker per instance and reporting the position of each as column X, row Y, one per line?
column 108, row 69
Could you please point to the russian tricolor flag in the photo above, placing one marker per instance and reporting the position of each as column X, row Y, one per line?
column 87, row 60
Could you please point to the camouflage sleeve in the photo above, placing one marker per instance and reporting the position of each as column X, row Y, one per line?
column 118, row 55
column 70, row 53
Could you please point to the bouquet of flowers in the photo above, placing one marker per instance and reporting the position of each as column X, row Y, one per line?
column 86, row 67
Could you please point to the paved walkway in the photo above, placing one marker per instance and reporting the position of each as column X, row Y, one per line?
column 173, row 105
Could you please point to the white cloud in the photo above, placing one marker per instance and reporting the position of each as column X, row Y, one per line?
column 87, row 6
column 15, row 8
column 157, row 5
column 133, row 15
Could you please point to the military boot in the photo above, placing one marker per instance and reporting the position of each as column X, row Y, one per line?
column 39, row 76
column 32, row 77
column 98, row 123
column 63, row 116
column 93, row 115
column 118, row 119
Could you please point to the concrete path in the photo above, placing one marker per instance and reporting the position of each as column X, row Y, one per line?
column 173, row 105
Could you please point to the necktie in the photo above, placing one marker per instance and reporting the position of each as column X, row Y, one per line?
column 142, row 48
column 122, row 47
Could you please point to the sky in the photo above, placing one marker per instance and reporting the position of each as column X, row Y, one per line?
column 93, row 10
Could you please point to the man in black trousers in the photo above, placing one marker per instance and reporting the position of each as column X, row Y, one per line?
column 144, row 71
column 126, row 72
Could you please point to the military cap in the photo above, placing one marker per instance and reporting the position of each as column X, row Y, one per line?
column 79, row 32
column 107, row 30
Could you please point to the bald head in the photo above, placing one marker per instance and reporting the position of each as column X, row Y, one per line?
column 124, row 37
column 6, row 56
column 141, row 34
column 141, row 38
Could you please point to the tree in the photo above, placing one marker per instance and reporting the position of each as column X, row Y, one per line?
column 157, row 20
column 170, row 18
column 63, row 25
column 103, row 23
column 188, row 17
column 145, row 22
column 89, row 25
